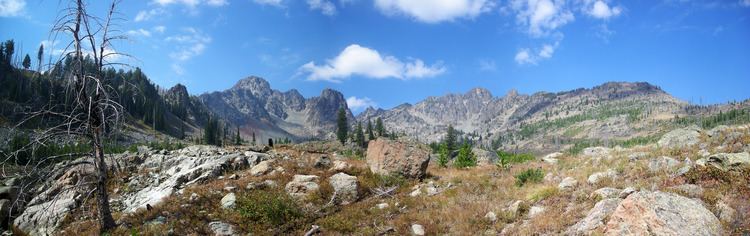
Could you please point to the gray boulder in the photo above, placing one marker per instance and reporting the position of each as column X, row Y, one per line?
column 568, row 183
column 221, row 229
column 228, row 201
column 485, row 157
column 606, row 192
column 727, row 161
column 345, row 188
column 302, row 186
column 407, row 159
column 662, row 163
column 681, row 138
column 552, row 158
column 599, row 176
column 594, row 219
column 660, row 213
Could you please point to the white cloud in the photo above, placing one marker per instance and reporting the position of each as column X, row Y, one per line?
column 540, row 17
column 10, row 8
column 275, row 3
column 526, row 56
column 146, row 15
column 487, row 65
column 189, row 44
column 326, row 7
column 192, row 3
column 356, row 104
column 435, row 11
column 358, row 60
column 745, row 3
column 160, row 29
column 139, row 32
column 601, row 10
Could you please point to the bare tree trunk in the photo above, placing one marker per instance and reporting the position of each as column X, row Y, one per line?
column 106, row 222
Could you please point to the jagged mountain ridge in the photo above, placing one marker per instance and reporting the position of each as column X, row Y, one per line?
column 255, row 107
column 600, row 112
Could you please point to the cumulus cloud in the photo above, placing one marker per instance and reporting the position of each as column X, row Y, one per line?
column 435, row 11
column 160, row 29
column 540, row 17
column 357, row 104
column 324, row 6
column 526, row 56
column 147, row 15
column 139, row 32
column 190, row 43
column 487, row 65
column 362, row 61
column 275, row 3
column 745, row 3
column 10, row 8
column 600, row 10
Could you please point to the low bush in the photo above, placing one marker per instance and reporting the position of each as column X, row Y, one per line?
column 529, row 175
column 273, row 208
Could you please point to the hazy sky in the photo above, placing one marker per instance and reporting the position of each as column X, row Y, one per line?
column 387, row 52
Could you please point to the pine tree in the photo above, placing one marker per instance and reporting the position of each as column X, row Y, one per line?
column 26, row 62
column 465, row 157
column 343, row 127
column 39, row 55
column 379, row 127
column 253, row 138
column 450, row 138
column 370, row 134
column 359, row 137
column 443, row 155
column 237, row 138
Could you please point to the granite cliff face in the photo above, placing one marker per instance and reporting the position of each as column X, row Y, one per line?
column 256, row 108
column 612, row 110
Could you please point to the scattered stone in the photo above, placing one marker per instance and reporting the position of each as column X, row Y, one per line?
column 516, row 209
column 229, row 188
column 535, row 210
column 382, row 206
column 340, row 166
column 221, row 228
column 689, row 190
column 159, row 220
column 662, row 163
column 228, row 201
column 234, row 176
column 626, row 192
column 596, row 152
column 417, row 229
column 415, row 193
column 568, row 183
column 485, row 157
column 606, row 192
column 725, row 212
column 490, row 216
column 322, row 162
column 660, row 213
column 681, row 138
column 408, row 159
column 432, row 190
column 262, row 168
column 594, row 219
column 637, row 156
column 727, row 161
column 552, row 157
column 704, row 153
column 345, row 187
column 599, row 176
column 302, row 185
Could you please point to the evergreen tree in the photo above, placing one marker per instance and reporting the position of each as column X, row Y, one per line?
column 39, row 55
column 443, row 155
column 450, row 138
column 370, row 134
column 10, row 49
column 359, row 135
column 237, row 138
column 26, row 62
column 379, row 127
column 465, row 157
column 253, row 138
column 343, row 127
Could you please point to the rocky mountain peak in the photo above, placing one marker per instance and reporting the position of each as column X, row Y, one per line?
column 479, row 93
column 178, row 94
column 252, row 83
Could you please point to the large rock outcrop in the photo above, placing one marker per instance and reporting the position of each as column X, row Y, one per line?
column 680, row 138
column 403, row 158
column 660, row 213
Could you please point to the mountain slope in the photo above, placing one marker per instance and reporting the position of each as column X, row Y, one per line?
column 614, row 110
column 252, row 105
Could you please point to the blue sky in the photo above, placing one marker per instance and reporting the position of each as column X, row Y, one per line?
column 387, row 52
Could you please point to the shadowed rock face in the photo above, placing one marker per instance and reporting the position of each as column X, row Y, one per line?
column 387, row 157
column 257, row 108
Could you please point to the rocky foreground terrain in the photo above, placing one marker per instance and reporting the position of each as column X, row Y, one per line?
column 691, row 182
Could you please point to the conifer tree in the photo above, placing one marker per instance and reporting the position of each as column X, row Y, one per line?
column 379, row 127
column 26, row 62
column 370, row 134
column 342, row 126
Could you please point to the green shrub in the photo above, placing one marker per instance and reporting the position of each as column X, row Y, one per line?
column 511, row 158
column 443, row 155
column 529, row 175
column 465, row 157
column 268, row 207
